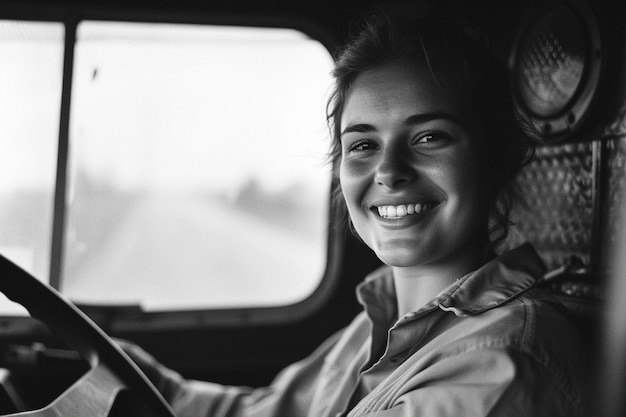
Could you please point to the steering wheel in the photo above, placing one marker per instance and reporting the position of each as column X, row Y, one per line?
column 111, row 370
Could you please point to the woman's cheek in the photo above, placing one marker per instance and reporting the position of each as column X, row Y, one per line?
column 353, row 181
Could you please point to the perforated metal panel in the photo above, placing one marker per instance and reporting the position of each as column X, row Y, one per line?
column 555, row 213
column 572, row 198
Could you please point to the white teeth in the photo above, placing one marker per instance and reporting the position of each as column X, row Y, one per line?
column 403, row 210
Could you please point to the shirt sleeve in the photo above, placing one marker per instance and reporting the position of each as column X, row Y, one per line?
column 483, row 382
column 289, row 394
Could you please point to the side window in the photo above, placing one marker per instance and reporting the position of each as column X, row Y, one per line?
column 197, row 174
column 31, row 54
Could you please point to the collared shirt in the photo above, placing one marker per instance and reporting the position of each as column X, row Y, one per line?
column 491, row 344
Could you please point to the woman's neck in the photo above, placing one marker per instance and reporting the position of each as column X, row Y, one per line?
column 415, row 286
column 413, row 292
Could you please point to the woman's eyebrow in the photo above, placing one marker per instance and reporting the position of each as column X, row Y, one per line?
column 358, row 128
column 417, row 119
column 413, row 120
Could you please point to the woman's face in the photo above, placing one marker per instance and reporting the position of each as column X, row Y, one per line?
column 410, row 171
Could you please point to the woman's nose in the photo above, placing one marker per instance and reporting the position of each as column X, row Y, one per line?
column 394, row 171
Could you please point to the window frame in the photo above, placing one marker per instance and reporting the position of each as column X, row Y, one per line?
column 129, row 318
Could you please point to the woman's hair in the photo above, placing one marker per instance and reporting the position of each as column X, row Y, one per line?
column 458, row 57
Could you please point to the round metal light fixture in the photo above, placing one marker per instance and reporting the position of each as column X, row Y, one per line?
column 556, row 65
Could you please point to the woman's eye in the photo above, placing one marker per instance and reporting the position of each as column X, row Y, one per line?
column 426, row 139
column 431, row 139
column 362, row 145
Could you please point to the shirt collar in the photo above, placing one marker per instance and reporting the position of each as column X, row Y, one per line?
column 493, row 284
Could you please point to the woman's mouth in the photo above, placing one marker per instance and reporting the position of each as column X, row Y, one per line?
column 403, row 210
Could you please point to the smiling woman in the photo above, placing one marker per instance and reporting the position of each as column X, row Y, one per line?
column 449, row 327
column 409, row 142
column 413, row 153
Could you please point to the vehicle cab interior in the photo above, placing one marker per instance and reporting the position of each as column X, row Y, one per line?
column 165, row 181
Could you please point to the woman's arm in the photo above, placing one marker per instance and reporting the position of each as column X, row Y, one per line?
column 289, row 394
